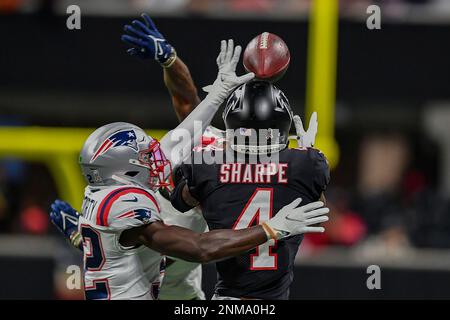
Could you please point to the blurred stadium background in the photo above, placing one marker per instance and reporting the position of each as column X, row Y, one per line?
column 382, row 95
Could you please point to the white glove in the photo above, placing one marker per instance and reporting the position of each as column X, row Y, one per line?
column 227, row 80
column 290, row 220
column 306, row 139
column 225, row 83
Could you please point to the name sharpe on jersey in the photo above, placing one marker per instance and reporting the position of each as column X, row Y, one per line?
column 253, row 173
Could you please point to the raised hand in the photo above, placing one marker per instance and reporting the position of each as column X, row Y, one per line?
column 306, row 139
column 227, row 80
column 147, row 42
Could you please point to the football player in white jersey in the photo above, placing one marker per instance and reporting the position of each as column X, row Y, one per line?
column 183, row 280
column 121, row 214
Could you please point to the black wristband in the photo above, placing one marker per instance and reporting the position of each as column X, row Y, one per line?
column 176, row 198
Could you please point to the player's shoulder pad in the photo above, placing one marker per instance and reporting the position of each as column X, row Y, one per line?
column 127, row 207
column 314, row 158
column 320, row 167
column 312, row 153
column 317, row 158
column 317, row 155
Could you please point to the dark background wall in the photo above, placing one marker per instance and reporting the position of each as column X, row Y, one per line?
column 403, row 64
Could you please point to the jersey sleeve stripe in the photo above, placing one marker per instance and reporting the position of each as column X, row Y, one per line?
column 100, row 210
column 105, row 206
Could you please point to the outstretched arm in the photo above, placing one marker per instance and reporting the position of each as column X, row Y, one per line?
column 220, row 244
column 198, row 247
column 182, row 89
column 148, row 43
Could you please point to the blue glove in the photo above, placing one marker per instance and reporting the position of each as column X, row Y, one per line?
column 148, row 42
column 65, row 218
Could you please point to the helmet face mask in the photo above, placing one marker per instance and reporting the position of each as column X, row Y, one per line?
column 157, row 163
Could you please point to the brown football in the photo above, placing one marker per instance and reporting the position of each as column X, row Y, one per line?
column 268, row 56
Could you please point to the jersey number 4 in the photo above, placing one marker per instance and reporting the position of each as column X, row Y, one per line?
column 259, row 208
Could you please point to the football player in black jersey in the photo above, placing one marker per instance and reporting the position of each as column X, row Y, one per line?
column 243, row 193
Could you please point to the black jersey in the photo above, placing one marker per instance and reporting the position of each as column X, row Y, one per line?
column 240, row 195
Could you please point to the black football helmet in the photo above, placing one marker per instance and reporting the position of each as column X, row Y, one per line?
column 258, row 107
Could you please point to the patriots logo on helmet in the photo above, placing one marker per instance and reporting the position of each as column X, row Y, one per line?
column 125, row 138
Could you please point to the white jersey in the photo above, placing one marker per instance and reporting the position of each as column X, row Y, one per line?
column 111, row 270
column 115, row 272
column 183, row 279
